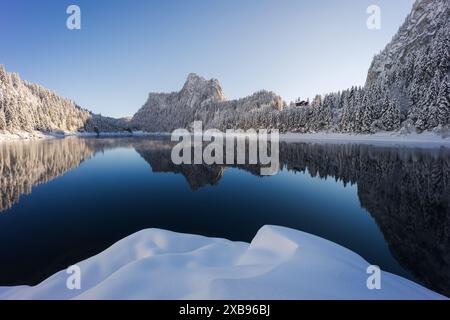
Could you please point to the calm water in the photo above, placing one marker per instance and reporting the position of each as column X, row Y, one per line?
column 63, row 201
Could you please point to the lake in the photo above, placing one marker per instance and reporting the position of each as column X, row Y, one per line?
column 65, row 200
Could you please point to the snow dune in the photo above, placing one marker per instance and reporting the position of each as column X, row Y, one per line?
column 280, row 263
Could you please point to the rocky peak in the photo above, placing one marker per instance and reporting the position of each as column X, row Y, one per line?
column 197, row 91
column 420, row 27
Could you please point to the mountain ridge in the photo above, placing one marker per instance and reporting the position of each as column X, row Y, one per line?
column 407, row 90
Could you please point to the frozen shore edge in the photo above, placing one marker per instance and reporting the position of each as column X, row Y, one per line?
column 426, row 139
column 279, row 263
column 38, row 135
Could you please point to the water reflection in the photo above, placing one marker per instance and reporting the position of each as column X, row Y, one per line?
column 157, row 154
column 25, row 164
column 406, row 190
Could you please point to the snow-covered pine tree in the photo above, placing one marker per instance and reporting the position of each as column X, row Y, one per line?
column 427, row 106
column 2, row 116
column 422, row 117
column 328, row 106
column 317, row 102
column 414, row 93
column 2, row 75
column 358, row 109
column 391, row 118
column 432, row 101
column 408, row 70
column 347, row 110
column 443, row 103
column 367, row 116
column 12, row 122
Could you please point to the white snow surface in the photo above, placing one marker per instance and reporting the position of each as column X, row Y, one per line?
column 279, row 263
column 37, row 135
column 425, row 139
column 24, row 135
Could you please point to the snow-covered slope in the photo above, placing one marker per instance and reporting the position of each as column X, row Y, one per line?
column 412, row 72
column 199, row 99
column 27, row 109
column 427, row 20
column 26, row 106
column 280, row 263
column 407, row 90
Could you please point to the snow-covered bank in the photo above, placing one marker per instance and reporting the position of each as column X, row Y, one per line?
column 426, row 139
column 111, row 134
column 280, row 263
column 24, row 135
column 383, row 138
column 38, row 135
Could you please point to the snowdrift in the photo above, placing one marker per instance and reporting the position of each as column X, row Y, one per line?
column 280, row 263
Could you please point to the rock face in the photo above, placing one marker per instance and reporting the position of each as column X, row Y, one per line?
column 166, row 112
column 199, row 99
column 200, row 92
column 413, row 70
column 426, row 22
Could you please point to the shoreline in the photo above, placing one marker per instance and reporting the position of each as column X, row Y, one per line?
column 426, row 139
column 382, row 138
column 38, row 135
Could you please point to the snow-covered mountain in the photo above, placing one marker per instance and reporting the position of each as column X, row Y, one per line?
column 26, row 106
column 413, row 70
column 407, row 89
column 199, row 99
column 425, row 23
column 29, row 107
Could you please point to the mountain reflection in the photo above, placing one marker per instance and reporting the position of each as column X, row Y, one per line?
column 25, row 164
column 406, row 190
column 157, row 154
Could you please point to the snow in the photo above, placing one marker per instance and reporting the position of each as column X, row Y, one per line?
column 23, row 135
column 110, row 134
column 279, row 263
column 37, row 135
column 426, row 139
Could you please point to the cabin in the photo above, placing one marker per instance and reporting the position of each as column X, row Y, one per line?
column 301, row 103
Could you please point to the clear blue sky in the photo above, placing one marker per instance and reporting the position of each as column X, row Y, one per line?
column 127, row 49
